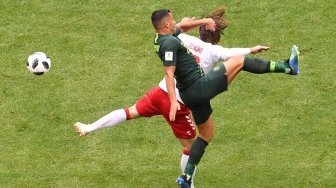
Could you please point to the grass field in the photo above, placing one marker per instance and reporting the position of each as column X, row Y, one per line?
column 271, row 130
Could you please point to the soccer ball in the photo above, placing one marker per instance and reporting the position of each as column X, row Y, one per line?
column 38, row 63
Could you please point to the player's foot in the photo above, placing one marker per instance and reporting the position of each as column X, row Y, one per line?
column 183, row 182
column 294, row 61
column 79, row 128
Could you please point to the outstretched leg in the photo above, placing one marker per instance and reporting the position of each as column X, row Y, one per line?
column 110, row 120
column 260, row 66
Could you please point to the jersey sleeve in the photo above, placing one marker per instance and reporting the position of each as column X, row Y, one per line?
column 169, row 51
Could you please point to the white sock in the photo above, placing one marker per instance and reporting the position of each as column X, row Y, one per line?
column 183, row 164
column 110, row 120
column 184, row 160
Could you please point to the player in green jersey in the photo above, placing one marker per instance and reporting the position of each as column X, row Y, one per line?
column 196, row 88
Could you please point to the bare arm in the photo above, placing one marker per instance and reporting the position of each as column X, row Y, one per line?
column 220, row 53
column 169, row 77
column 258, row 49
column 188, row 24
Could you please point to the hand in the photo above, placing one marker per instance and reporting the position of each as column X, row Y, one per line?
column 211, row 24
column 258, row 49
column 174, row 106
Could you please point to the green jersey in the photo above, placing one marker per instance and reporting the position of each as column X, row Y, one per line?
column 173, row 52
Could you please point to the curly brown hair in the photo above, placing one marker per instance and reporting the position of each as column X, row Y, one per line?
column 213, row 37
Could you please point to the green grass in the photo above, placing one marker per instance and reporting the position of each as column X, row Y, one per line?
column 271, row 130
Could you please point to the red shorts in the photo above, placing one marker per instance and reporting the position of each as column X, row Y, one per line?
column 156, row 102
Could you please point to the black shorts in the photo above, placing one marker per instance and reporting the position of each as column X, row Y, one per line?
column 197, row 97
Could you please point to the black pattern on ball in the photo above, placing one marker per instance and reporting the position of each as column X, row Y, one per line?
column 38, row 73
column 35, row 63
column 45, row 64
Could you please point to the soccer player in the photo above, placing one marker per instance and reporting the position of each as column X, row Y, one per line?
column 156, row 101
column 196, row 88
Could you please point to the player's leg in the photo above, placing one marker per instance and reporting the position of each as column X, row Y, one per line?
column 260, row 66
column 233, row 66
column 186, row 143
column 143, row 107
column 206, row 133
column 183, row 127
column 112, row 119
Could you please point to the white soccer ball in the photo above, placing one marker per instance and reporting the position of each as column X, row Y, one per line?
column 38, row 63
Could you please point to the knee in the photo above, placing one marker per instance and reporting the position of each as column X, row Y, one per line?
column 239, row 59
column 234, row 64
column 207, row 130
column 133, row 112
column 207, row 135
